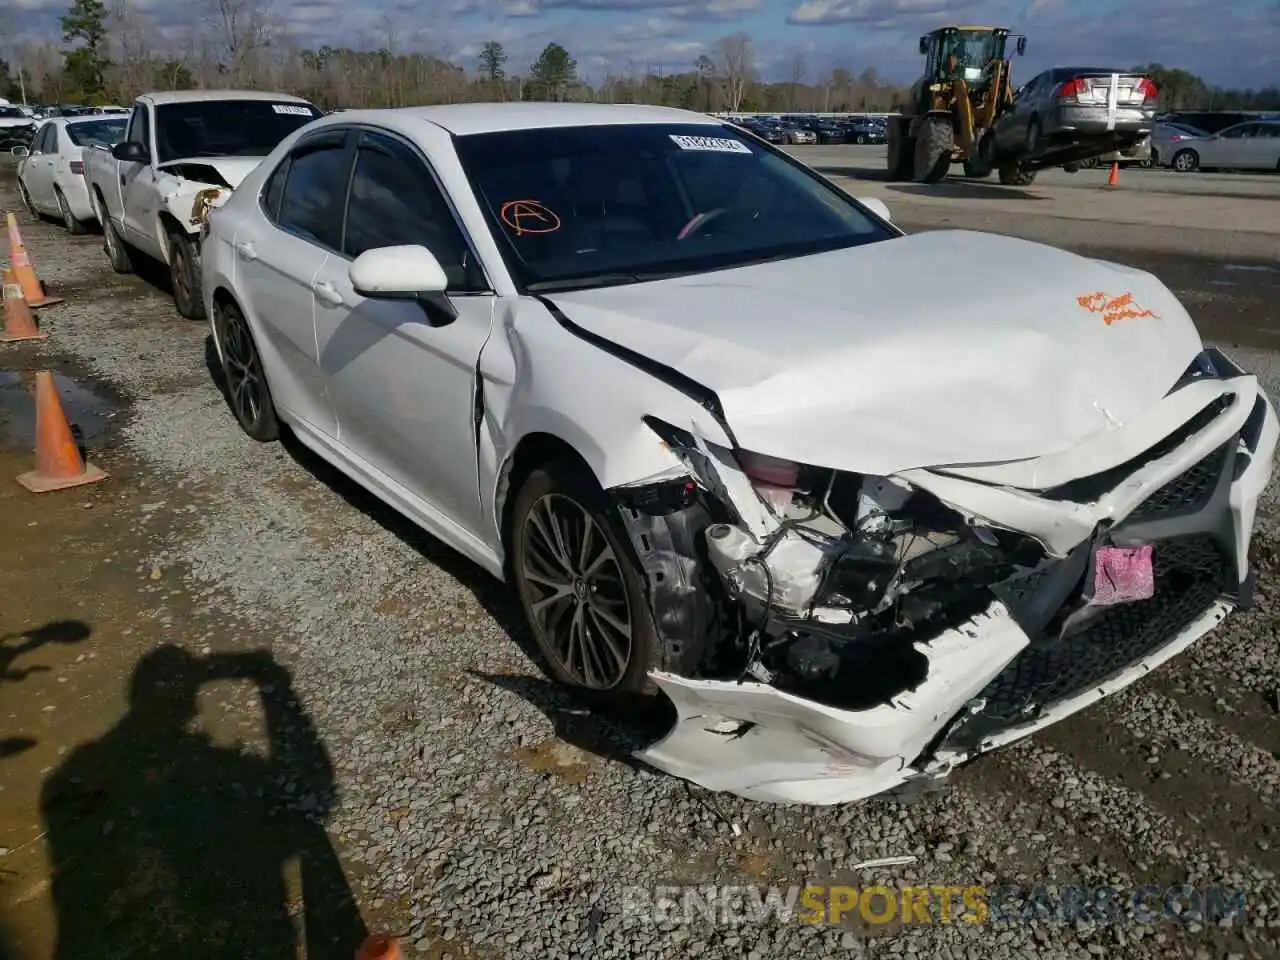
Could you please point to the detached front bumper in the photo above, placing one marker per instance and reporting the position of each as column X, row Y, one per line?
column 1192, row 494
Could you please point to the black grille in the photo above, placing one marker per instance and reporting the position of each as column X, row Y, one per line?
column 1089, row 489
column 1190, row 573
column 1185, row 493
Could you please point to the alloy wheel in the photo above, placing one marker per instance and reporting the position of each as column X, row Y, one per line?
column 577, row 594
column 178, row 274
column 242, row 368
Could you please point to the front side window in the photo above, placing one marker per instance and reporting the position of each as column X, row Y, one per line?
column 226, row 128
column 103, row 133
column 395, row 201
column 311, row 204
column 572, row 205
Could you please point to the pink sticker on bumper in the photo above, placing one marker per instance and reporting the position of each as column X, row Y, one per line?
column 1122, row 575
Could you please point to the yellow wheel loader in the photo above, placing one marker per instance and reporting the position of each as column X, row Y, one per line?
column 965, row 87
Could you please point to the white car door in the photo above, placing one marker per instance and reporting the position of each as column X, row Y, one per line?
column 402, row 374
column 37, row 172
column 280, row 246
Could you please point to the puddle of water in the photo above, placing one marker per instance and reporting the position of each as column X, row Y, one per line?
column 89, row 411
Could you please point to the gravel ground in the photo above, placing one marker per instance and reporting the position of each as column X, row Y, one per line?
column 482, row 814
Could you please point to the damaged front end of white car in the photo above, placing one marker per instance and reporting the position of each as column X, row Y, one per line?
column 840, row 633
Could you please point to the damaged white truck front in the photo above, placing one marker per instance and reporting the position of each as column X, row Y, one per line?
column 183, row 153
column 848, row 619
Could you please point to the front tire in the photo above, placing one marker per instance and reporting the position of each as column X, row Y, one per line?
column 184, row 274
column 934, row 144
column 244, row 377
column 582, row 592
column 26, row 201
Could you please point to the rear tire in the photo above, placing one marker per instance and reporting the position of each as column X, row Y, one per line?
column 594, row 630
column 118, row 253
column 1186, row 161
column 933, row 148
column 74, row 226
column 244, row 377
column 1014, row 175
column 1035, row 134
column 184, row 274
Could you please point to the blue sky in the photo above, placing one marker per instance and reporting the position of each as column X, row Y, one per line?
column 1236, row 43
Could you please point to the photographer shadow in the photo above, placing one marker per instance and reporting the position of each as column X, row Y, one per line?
column 163, row 844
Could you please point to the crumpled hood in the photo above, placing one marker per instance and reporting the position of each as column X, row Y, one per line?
column 232, row 169
column 939, row 348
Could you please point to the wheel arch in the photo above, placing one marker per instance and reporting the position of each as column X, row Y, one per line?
column 535, row 449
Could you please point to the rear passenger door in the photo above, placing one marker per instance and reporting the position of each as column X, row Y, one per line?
column 403, row 378
column 278, row 256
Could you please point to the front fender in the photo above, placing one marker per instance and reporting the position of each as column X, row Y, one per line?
column 536, row 377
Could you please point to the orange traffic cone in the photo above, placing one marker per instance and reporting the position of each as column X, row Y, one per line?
column 1114, row 178
column 19, row 321
column 379, row 947
column 58, row 461
column 20, row 261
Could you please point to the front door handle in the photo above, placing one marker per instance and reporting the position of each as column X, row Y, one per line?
column 327, row 292
column 246, row 250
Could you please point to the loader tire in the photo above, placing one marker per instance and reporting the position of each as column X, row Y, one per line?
column 900, row 152
column 1015, row 175
column 933, row 148
column 976, row 169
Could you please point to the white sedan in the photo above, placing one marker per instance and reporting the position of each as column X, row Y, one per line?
column 610, row 353
column 51, row 174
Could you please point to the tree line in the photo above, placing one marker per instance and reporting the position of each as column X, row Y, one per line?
column 110, row 54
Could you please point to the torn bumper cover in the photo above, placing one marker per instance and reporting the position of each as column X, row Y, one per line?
column 831, row 636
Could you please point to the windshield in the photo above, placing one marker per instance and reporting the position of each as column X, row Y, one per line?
column 583, row 206
column 226, row 128
column 12, row 113
column 102, row 133
column 972, row 50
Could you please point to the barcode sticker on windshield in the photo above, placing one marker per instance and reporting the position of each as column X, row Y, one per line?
column 291, row 109
column 713, row 144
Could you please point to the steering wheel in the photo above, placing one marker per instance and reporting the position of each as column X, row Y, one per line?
column 694, row 226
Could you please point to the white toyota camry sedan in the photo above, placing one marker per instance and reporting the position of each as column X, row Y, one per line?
column 734, row 438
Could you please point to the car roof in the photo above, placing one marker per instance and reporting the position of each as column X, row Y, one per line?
column 464, row 119
column 197, row 96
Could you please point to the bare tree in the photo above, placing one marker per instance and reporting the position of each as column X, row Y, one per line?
column 798, row 70
column 736, row 65
column 243, row 30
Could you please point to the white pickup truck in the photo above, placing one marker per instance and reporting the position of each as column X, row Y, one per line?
column 184, row 151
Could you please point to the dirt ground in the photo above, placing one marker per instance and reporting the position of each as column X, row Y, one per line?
column 169, row 786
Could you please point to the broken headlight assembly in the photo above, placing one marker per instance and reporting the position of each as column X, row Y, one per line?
column 847, row 573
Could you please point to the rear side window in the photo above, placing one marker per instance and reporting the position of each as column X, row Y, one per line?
column 314, row 190
column 273, row 190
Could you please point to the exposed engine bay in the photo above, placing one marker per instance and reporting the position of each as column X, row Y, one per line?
column 829, row 604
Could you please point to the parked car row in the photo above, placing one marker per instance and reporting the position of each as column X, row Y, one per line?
column 800, row 129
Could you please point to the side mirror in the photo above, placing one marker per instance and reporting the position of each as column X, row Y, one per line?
column 404, row 273
column 19, row 151
column 130, row 151
column 876, row 206
column 924, row 46
column 1021, row 46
